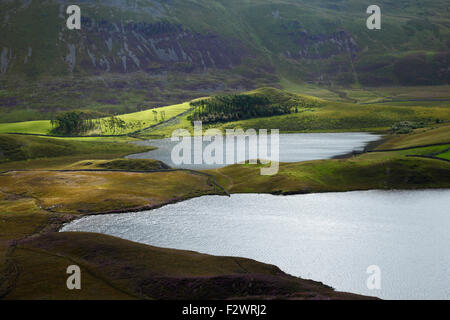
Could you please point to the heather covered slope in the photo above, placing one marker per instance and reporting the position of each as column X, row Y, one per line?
column 320, row 38
column 118, row 269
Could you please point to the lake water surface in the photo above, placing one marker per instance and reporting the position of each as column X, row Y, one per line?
column 293, row 148
column 331, row 237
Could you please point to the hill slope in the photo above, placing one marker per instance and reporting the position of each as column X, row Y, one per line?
column 150, row 52
column 325, row 40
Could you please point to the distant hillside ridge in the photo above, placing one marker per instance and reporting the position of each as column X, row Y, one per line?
column 320, row 41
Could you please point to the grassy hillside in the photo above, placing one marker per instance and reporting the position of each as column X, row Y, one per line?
column 361, row 173
column 313, row 114
column 323, row 116
column 120, row 164
column 372, row 170
column 147, row 119
column 132, row 57
column 122, row 269
column 444, row 155
column 99, row 192
column 343, row 117
column 24, row 152
column 420, row 137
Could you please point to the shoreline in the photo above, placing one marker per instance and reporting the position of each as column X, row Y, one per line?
column 209, row 252
column 56, row 221
column 369, row 147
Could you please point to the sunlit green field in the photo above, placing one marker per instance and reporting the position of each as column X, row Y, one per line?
column 328, row 116
column 34, row 127
column 420, row 137
column 325, row 116
column 147, row 118
column 345, row 117
column 444, row 155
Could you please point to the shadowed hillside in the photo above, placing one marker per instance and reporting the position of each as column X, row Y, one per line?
column 149, row 53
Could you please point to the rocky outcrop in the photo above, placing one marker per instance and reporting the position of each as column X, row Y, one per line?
column 151, row 47
column 6, row 58
column 113, row 43
column 323, row 46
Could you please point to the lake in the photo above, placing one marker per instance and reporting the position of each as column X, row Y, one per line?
column 293, row 148
column 331, row 237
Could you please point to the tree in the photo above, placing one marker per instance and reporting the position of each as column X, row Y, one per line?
column 115, row 124
column 74, row 123
column 236, row 107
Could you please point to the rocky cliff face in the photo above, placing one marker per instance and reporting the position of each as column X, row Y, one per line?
column 149, row 47
column 116, row 44
column 324, row 46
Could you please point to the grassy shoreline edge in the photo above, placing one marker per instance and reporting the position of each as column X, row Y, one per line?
column 90, row 177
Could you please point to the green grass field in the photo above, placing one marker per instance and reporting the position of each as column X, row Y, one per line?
column 342, row 117
column 147, row 117
column 381, row 170
column 33, row 127
column 326, row 116
column 444, row 155
column 24, row 152
column 420, row 137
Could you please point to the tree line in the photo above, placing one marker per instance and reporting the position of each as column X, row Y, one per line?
column 79, row 123
column 237, row 107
